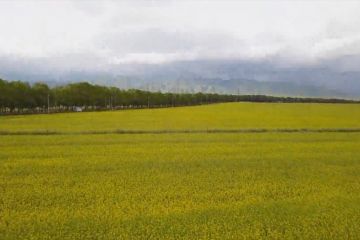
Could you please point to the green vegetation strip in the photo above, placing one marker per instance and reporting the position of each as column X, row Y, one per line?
column 165, row 131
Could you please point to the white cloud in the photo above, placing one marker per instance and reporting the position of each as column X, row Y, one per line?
column 156, row 32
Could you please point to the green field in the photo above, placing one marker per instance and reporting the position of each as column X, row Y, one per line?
column 270, row 185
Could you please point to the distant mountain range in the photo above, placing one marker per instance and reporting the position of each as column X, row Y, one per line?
column 330, row 79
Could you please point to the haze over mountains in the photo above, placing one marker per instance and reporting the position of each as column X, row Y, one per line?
column 222, row 76
column 277, row 48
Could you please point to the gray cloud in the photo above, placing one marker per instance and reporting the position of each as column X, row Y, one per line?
column 202, row 29
column 48, row 39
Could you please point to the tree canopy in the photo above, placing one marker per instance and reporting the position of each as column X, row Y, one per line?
column 18, row 96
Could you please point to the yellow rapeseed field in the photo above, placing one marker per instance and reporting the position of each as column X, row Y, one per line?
column 267, row 185
column 216, row 116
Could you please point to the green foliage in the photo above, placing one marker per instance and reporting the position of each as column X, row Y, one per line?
column 16, row 94
column 22, row 96
column 41, row 93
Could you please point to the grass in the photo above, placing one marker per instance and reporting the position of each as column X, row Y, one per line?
column 266, row 185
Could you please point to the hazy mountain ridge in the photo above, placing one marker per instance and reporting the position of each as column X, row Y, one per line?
column 224, row 76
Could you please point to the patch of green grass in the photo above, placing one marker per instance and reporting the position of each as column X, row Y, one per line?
column 182, row 186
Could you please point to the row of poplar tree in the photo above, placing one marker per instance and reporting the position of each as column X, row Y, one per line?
column 17, row 96
column 22, row 97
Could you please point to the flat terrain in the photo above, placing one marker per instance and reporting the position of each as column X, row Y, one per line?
column 271, row 185
column 216, row 116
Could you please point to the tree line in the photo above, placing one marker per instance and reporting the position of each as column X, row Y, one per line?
column 22, row 97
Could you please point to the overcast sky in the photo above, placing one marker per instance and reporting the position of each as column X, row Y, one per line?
column 98, row 34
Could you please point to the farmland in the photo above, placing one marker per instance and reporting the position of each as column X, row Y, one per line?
column 216, row 116
column 197, row 185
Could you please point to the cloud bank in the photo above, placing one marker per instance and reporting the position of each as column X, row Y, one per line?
column 82, row 35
